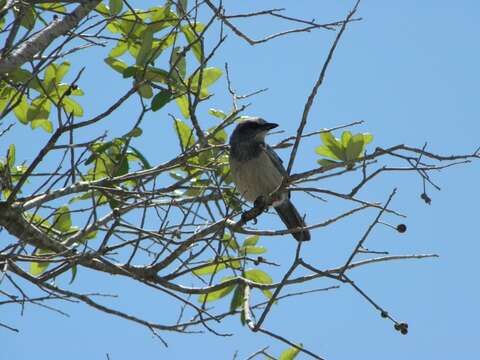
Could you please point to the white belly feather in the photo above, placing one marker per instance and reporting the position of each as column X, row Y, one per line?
column 255, row 177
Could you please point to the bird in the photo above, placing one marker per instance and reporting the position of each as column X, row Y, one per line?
column 258, row 171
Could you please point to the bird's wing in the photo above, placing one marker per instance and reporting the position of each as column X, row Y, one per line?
column 275, row 160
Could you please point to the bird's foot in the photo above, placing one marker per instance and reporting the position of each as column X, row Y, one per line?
column 259, row 206
column 260, row 203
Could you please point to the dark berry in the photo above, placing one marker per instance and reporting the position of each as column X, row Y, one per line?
column 404, row 328
column 426, row 198
column 401, row 228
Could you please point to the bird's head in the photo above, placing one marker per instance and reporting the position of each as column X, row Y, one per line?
column 252, row 130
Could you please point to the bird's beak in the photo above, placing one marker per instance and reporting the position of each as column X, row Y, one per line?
column 269, row 126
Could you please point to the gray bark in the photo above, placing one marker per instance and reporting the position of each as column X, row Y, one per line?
column 41, row 40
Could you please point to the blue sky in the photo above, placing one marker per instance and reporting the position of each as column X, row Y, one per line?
column 409, row 69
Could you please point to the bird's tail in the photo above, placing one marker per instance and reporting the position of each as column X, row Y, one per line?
column 292, row 219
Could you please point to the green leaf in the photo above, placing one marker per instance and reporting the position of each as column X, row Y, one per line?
column 62, row 220
column 251, row 240
column 159, row 45
column 25, row 77
column 176, row 175
column 161, row 17
column 62, row 70
column 327, row 163
column 102, row 9
column 130, row 71
column 45, row 124
column 37, row 268
column 28, row 17
column 84, row 196
column 220, row 136
column 54, row 7
column 191, row 34
column 130, row 26
column 133, row 48
column 11, row 155
column 218, row 294
column 209, row 76
column 17, row 172
column 346, row 136
column 185, row 134
column 210, row 269
column 39, row 109
column 114, row 25
column 355, row 147
column 72, row 107
column 145, row 91
column 119, row 49
column 268, row 294
column 89, row 236
column 145, row 49
column 161, row 99
column 214, row 266
column 74, row 274
column 182, row 103
column 253, row 249
column 156, row 75
column 21, row 110
column 258, row 276
column 178, row 61
column 50, row 74
column 367, row 138
column 290, row 353
column 230, row 242
column 4, row 97
column 62, row 88
column 325, row 151
column 36, row 219
column 135, row 132
column 115, row 6
column 217, row 113
column 123, row 168
column 98, row 149
column 138, row 155
column 102, row 167
column 158, row 13
column 333, row 145
column 115, row 64
column 237, row 298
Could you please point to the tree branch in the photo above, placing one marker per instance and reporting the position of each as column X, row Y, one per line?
column 41, row 40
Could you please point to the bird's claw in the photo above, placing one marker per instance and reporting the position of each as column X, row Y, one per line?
column 259, row 206
column 260, row 203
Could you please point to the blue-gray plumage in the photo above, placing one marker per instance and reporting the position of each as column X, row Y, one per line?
column 258, row 171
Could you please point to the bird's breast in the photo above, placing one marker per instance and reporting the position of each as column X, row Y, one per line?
column 255, row 177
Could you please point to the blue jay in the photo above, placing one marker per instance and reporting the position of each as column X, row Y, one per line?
column 258, row 171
